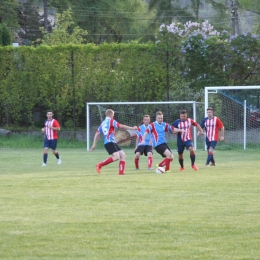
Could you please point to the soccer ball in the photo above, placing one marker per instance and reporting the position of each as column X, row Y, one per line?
column 160, row 170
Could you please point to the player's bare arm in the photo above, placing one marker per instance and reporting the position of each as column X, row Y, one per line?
column 177, row 130
column 221, row 137
column 96, row 137
column 43, row 129
column 144, row 138
column 53, row 128
column 126, row 127
column 200, row 131
column 136, row 143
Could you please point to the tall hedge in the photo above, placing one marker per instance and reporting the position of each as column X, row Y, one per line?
column 65, row 77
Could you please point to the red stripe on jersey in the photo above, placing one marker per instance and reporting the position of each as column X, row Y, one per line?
column 212, row 126
column 186, row 125
column 50, row 133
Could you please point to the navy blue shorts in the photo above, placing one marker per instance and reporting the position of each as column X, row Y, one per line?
column 212, row 144
column 144, row 149
column 50, row 143
column 182, row 145
column 160, row 149
column 112, row 148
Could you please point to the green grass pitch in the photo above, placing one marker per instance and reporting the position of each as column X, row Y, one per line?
column 68, row 211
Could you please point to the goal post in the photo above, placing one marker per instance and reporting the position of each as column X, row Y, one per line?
column 239, row 109
column 131, row 113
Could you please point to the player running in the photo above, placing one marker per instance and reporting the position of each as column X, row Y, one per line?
column 50, row 130
column 184, row 140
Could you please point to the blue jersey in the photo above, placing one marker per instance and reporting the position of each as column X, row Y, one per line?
column 158, row 132
column 185, row 125
column 107, row 128
column 140, row 133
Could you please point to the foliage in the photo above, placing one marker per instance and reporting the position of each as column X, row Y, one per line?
column 64, row 32
column 111, row 20
column 64, row 77
column 213, row 58
column 5, row 35
column 186, row 58
column 29, row 20
column 8, row 13
column 244, row 58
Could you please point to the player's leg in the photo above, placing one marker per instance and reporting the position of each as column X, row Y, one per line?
column 169, row 157
column 113, row 150
column 181, row 161
column 160, row 150
column 181, row 147
column 45, row 156
column 53, row 146
column 150, row 160
column 210, row 148
column 138, row 152
column 137, row 155
column 192, row 158
column 46, row 146
column 149, row 153
column 122, row 162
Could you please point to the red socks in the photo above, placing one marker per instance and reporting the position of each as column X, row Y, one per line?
column 121, row 167
column 150, row 162
column 107, row 161
column 167, row 164
column 163, row 163
column 137, row 163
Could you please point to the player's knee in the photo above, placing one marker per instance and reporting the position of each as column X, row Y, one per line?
column 115, row 156
column 122, row 157
column 211, row 150
column 180, row 156
column 191, row 149
column 170, row 156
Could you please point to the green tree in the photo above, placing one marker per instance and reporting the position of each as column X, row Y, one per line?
column 5, row 35
column 111, row 20
column 168, row 11
column 8, row 13
column 64, row 32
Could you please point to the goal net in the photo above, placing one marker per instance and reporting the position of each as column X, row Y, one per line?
column 239, row 110
column 131, row 114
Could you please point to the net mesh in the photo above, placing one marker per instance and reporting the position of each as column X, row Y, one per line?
column 229, row 106
column 132, row 115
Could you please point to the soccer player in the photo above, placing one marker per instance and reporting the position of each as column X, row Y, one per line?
column 107, row 128
column 158, row 129
column 50, row 129
column 212, row 125
column 184, row 140
column 145, row 148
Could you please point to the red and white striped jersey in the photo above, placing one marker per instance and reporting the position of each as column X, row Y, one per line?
column 184, row 125
column 50, row 133
column 212, row 126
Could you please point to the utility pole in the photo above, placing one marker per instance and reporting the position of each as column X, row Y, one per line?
column 234, row 18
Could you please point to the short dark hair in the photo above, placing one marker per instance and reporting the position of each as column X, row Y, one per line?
column 183, row 111
column 210, row 108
